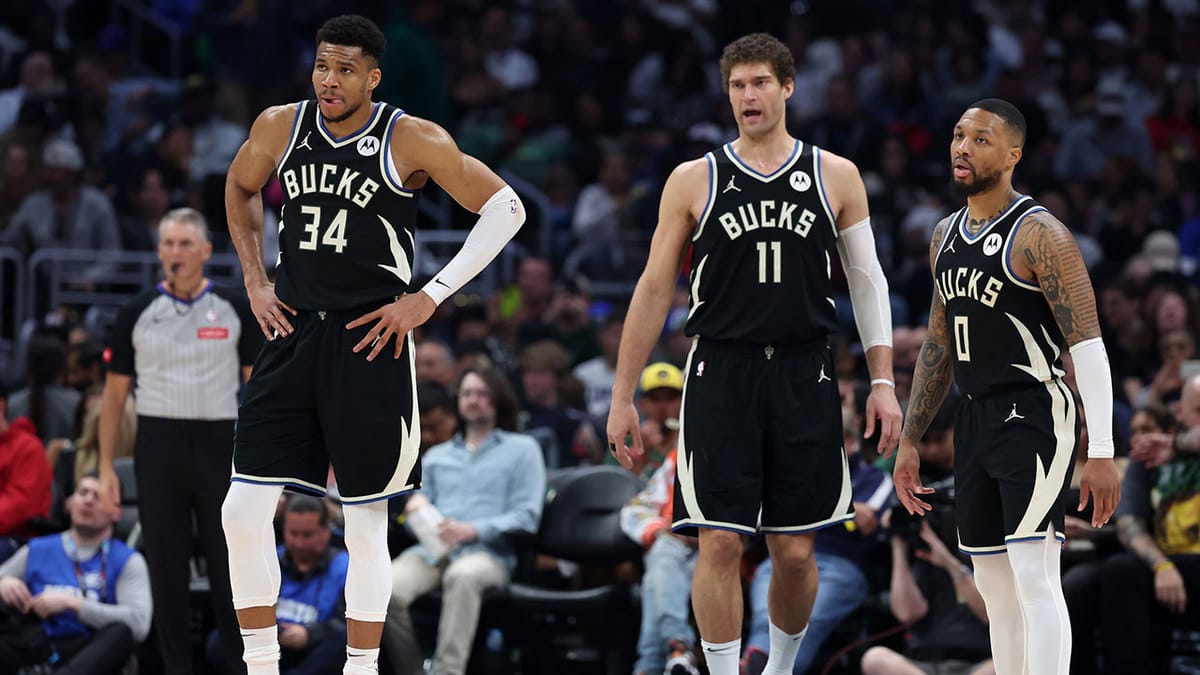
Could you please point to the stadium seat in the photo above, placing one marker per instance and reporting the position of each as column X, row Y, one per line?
column 589, row 630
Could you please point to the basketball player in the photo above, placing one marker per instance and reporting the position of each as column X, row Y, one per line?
column 351, row 170
column 761, row 425
column 1011, row 294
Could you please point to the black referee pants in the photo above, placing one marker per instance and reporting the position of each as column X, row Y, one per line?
column 182, row 469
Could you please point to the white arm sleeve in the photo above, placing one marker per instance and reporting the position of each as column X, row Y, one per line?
column 1094, row 380
column 499, row 219
column 868, row 286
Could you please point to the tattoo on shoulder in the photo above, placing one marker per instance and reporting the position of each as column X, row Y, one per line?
column 1051, row 253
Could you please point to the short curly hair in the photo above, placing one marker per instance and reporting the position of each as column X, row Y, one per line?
column 758, row 48
column 352, row 30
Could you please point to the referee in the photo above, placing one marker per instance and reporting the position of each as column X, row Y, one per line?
column 185, row 347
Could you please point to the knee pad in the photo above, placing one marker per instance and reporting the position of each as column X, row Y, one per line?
column 369, row 576
column 246, row 517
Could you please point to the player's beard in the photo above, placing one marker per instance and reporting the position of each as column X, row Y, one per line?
column 340, row 118
column 982, row 183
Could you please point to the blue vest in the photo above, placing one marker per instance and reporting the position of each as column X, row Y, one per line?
column 49, row 567
column 312, row 600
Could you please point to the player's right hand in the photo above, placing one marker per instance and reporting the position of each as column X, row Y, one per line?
column 623, row 423
column 270, row 311
column 907, row 478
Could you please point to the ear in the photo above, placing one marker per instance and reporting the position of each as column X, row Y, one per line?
column 1014, row 156
column 789, row 87
column 373, row 78
column 207, row 250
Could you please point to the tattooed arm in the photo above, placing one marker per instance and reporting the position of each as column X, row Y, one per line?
column 1169, row 587
column 1048, row 253
column 931, row 382
column 935, row 370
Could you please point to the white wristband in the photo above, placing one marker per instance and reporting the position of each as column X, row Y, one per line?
column 883, row 380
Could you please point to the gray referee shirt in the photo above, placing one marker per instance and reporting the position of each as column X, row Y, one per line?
column 186, row 356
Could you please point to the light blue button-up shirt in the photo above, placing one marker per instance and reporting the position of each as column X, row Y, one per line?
column 499, row 488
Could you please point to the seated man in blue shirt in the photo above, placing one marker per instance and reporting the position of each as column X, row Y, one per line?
column 486, row 483
column 83, row 598
column 311, row 607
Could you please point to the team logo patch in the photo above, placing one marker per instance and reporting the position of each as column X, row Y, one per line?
column 800, row 181
column 212, row 333
column 992, row 244
column 368, row 146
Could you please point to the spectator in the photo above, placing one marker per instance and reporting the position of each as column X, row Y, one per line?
column 85, row 365
column 1089, row 144
column 24, row 477
column 931, row 588
column 149, row 201
column 87, row 593
column 666, row 639
column 312, row 628
column 1154, row 583
column 45, row 401
column 597, row 374
column 488, row 485
column 435, row 364
column 543, row 366
column 439, row 414
column 35, row 78
column 661, row 387
column 842, row 562
column 603, row 210
column 64, row 213
column 17, row 180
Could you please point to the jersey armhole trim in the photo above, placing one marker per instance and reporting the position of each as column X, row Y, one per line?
column 1012, row 236
column 287, row 152
column 386, row 166
column 821, row 190
column 712, row 194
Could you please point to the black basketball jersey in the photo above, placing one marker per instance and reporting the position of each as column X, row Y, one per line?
column 346, row 230
column 1003, row 334
column 762, row 252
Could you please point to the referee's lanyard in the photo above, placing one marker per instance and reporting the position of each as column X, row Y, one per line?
column 73, row 554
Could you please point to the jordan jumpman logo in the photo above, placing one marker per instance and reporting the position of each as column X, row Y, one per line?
column 304, row 143
column 950, row 246
column 731, row 186
column 822, row 377
column 1013, row 415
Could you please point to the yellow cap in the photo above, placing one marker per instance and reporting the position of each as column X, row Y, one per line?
column 661, row 374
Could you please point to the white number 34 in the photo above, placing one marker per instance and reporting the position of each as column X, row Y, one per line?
column 335, row 232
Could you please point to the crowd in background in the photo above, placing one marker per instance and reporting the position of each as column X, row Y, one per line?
column 590, row 104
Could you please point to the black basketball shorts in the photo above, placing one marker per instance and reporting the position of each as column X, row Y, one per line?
column 1014, row 453
column 312, row 402
column 761, row 431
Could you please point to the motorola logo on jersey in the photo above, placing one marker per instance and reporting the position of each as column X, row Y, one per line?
column 768, row 214
column 992, row 244
column 368, row 146
column 800, row 181
column 325, row 178
column 963, row 282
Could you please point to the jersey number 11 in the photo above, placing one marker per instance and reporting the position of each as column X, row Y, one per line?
column 772, row 265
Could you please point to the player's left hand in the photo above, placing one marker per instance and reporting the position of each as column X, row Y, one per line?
column 882, row 405
column 1101, row 480
column 393, row 319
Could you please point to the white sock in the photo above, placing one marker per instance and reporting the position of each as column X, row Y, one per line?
column 1038, row 578
column 1006, row 620
column 722, row 657
column 361, row 661
column 784, row 646
column 262, row 650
